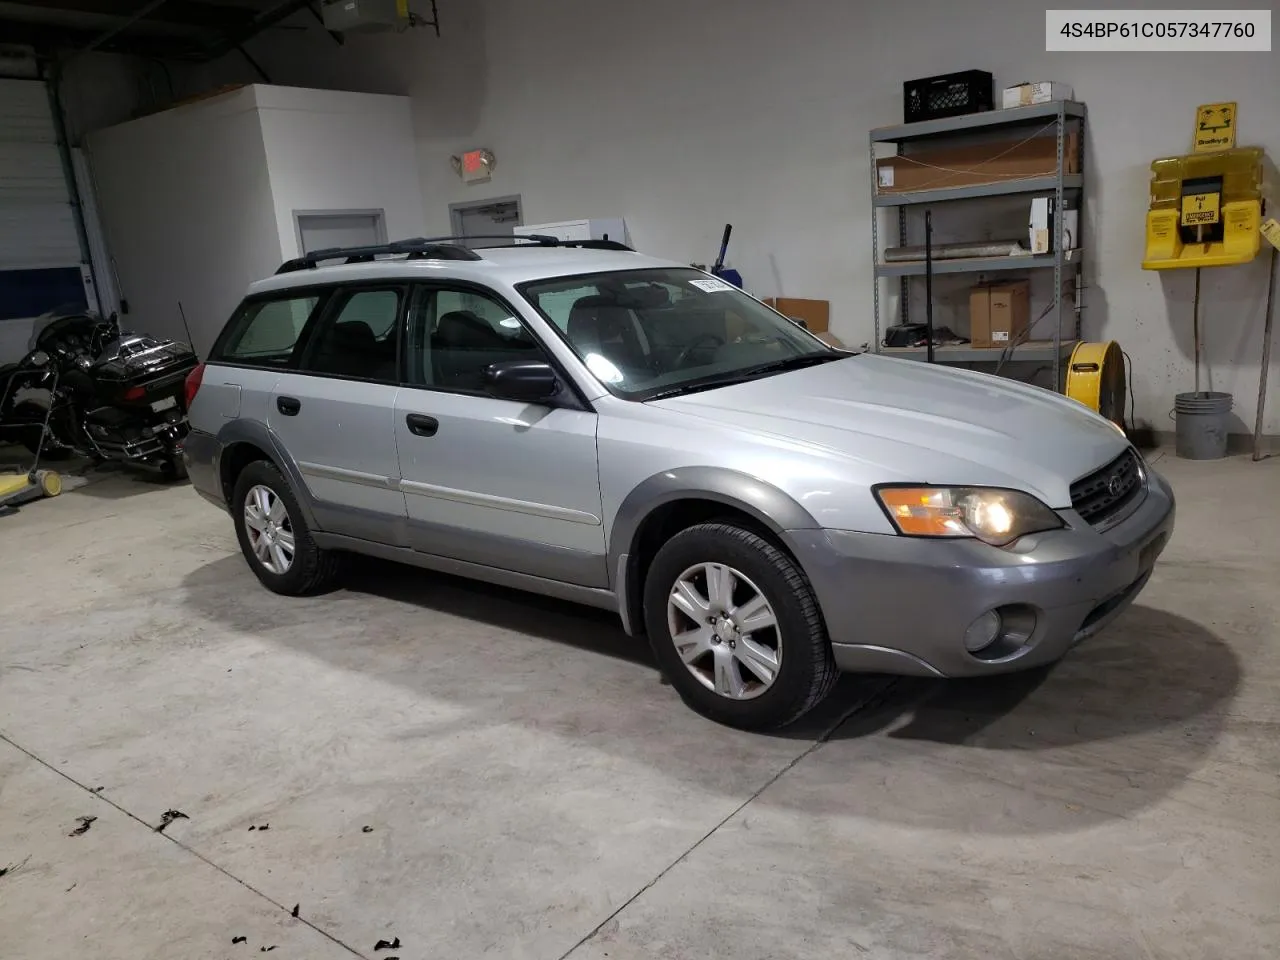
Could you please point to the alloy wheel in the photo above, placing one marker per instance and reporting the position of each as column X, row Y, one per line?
column 269, row 528
column 725, row 631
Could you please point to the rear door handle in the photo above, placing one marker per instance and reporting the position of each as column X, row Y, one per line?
column 288, row 406
column 421, row 425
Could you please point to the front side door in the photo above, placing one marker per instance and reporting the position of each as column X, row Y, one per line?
column 494, row 482
column 335, row 414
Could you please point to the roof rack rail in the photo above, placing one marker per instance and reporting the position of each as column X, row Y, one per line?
column 537, row 239
column 597, row 245
column 416, row 249
column 433, row 248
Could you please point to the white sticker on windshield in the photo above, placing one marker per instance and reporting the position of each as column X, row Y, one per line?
column 711, row 285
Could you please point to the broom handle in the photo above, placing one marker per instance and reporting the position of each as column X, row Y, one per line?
column 724, row 248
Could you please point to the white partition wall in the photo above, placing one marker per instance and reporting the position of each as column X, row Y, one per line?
column 200, row 200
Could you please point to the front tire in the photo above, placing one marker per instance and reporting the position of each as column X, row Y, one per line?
column 274, row 537
column 34, row 413
column 736, row 628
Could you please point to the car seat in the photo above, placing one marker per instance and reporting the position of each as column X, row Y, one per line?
column 597, row 324
column 352, row 350
column 462, row 346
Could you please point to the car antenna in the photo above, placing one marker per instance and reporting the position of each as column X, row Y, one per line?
column 185, row 326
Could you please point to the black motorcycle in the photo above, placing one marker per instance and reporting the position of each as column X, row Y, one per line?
column 106, row 394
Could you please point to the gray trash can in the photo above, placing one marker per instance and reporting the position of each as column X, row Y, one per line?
column 1201, row 424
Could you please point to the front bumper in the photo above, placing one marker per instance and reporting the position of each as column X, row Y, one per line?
column 901, row 605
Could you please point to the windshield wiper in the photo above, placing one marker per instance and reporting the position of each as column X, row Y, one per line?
column 747, row 375
column 790, row 363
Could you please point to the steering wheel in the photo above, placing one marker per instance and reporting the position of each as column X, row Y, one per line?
column 713, row 339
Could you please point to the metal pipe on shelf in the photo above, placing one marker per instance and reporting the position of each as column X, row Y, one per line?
column 928, row 281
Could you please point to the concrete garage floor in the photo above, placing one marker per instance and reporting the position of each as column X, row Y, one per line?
column 481, row 773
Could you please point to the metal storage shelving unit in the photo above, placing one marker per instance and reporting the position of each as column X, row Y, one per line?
column 1064, row 263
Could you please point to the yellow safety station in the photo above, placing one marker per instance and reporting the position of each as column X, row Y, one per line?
column 1206, row 209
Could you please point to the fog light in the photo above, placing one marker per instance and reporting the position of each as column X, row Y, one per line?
column 982, row 632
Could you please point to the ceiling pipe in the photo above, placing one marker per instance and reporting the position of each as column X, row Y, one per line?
column 263, row 21
column 114, row 32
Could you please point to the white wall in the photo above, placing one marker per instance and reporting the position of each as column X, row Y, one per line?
column 340, row 151
column 187, row 210
column 199, row 201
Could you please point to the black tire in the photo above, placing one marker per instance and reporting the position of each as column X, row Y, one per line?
column 53, row 451
column 174, row 469
column 806, row 671
column 313, row 570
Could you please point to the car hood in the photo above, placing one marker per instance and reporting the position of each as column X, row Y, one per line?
column 906, row 421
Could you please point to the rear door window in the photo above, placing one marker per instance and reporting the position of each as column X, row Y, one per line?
column 357, row 337
column 265, row 332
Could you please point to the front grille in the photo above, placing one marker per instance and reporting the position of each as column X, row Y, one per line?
column 1104, row 493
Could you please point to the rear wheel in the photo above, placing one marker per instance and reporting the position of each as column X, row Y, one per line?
column 274, row 537
column 736, row 627
column 174, row 468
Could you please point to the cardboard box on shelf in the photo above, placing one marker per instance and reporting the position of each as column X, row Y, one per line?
column 1025, row 94
column 1010, row 311
column 816, row 314
column 997, row 161
column 980, row 315
column 1041, row 228
column 998, row 312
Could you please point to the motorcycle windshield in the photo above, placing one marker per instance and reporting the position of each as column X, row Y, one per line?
column 63, row 312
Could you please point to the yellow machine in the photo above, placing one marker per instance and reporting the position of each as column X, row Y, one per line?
column 1096, row 378
column 1206, row 209
column 16, row 489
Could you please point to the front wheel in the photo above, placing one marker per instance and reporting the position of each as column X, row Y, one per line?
column 274, row 537
column 34, row 414
column 736, row 628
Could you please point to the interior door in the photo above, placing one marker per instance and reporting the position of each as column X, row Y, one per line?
column 490, row 220
column 488, row 481
column 336, row 414
column 323, row 231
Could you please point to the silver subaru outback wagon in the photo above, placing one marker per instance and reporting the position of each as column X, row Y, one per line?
column 583, row 421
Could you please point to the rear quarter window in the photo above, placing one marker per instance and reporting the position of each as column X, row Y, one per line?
column 266, row 332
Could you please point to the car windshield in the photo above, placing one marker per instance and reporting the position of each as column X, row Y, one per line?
column 647, row 334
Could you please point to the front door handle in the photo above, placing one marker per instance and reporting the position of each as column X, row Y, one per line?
column 288, row 406
column 420, row 425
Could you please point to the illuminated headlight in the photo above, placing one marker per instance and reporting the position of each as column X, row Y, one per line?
column 995, row 516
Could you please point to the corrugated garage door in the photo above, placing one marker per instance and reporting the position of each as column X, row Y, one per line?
column 39, row 247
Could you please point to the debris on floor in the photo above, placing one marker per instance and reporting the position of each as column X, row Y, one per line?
column 168, row 817
column 85, row 823
column 235, row 940
column 387, row 945
column 265, row 826
column 294, row 911
column 4, row 871
column 266, row 949
column 366, row 829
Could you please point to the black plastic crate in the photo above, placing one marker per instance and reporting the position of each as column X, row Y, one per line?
column 948, row 95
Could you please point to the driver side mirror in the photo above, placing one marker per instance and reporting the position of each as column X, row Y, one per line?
column 525, row 381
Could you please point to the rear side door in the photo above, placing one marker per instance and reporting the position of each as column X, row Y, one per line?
column 487, row 481
column 334, row 413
